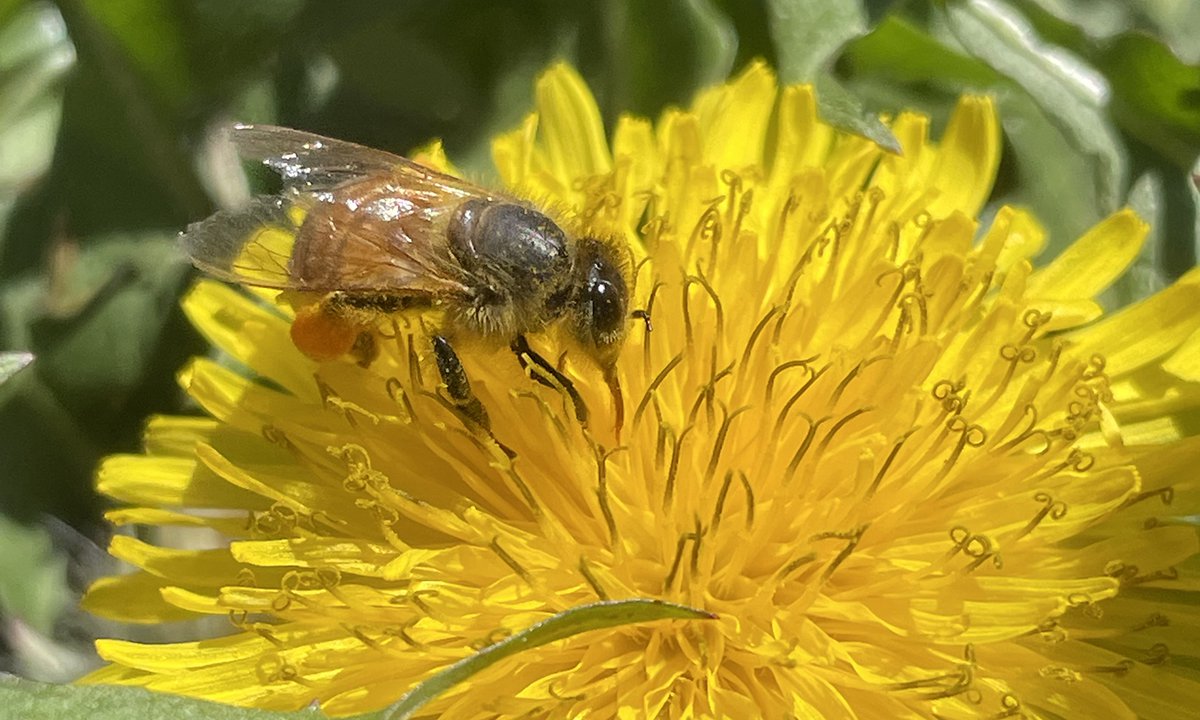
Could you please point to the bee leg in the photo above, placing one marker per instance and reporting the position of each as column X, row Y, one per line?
column 527, row 357
column 457, row 384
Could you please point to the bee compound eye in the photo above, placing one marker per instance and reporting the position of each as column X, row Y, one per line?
column 607, row 309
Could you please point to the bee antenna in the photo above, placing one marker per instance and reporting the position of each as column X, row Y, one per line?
column 644, row 316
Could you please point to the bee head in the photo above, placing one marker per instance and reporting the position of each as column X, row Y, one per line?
column 600, row 306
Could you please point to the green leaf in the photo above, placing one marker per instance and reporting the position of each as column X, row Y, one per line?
column 596, row 616
column 125, row 163
column 111, row 302
column 35, row 56
column 843, row 110
column 898, row 50
column 33, row 578
column 35, row 701
column 1155, row 95
column 1063, row 87
column 151, row 36
column 1045, row 172
column 1175, row 21
column 658, row 61
column 12, row 363
column 808, row 34
column 1194, row 194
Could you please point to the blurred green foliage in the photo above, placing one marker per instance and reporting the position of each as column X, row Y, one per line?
column 107, row 109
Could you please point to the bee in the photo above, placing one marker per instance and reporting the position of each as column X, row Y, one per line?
column 377, row 234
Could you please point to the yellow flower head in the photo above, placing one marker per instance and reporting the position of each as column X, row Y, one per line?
column 911, row 475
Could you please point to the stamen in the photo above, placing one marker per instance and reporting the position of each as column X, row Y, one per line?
column 948, row 393
column 524, row 489
column 1086, row 605
column 493, row 637
column 360, row 633
column 699, row 279
column 673, row 470
column 794, row 565
column 719, row 442
column 1121, row 669
column 602, row 492
column 266, row 632
column 754, row 334
column 282, row 672
column 852, row 539
column 544, row 411
column 804, row 445
column 1165, row 494
column 1014, row 355
column 1056, row 509
column 275, row 436
column 707, row 393
column 706, row 228
column 650, row 311
column 1155, row 619
column 749, row 499
column 556, row 694
column 960, row 682
column 1158, row 654
column 721, row 496
column 1031, row 431
column 1056, row 350
column 919, row 299
column 698, row 537
column 402, row 633
column 779, row 421
column 802, row 363
column 1012, row 708
column 670, row 579
column 1033, row 319
column 395, row 392
column 415, row 378
column 893, row 246
column 586, row 571
column 1169, row 573
column 652, row 230
column 828, row 439
column 973, row 435
column 887, row 462
column 693, row 537
column 658, row 380
column 637, row 269
column 508, row 560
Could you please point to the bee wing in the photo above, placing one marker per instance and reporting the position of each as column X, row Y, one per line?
column 250, row 245
column 350, row 218
column 311, row 163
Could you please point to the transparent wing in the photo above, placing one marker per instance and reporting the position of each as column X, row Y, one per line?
column 312, row 163
column 250, row 245
column 349, row 218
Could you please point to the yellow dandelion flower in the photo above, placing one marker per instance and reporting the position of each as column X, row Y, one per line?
column 912, row 474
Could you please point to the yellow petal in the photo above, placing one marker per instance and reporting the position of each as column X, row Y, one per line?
column 134, row 598
column 571, row 128
column 802, row 140
column 1184, row 363
column 1145, row 332
column 967, row 158
column 734, row 118
column 1093, row 261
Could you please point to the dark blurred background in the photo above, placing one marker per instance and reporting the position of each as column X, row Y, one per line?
column 107, row 113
